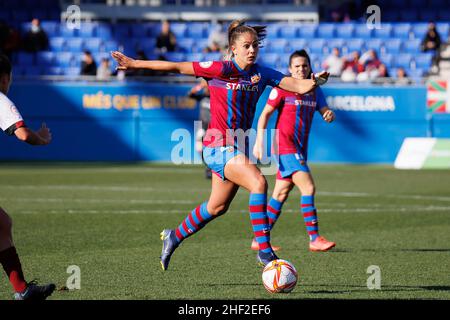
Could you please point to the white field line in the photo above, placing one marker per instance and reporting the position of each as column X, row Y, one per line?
column 171, row 211
column 207, row 190
column 45, row 170
column 118, row 201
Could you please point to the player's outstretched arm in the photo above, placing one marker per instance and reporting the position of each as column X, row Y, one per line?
column 125, row 63
column 258, row 148
column 41, row 137
column 302, row 86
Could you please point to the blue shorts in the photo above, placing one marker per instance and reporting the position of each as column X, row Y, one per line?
column 217, row 157
column 290, row 163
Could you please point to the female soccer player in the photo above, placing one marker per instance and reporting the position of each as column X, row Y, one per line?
column 235, row 87
column 295, row 115
column 11, row 123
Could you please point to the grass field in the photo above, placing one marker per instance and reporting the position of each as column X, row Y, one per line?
column 106, row 219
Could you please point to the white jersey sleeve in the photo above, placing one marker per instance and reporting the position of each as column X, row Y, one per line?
column 10, row 118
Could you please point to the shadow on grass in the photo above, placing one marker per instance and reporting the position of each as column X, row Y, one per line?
column 386, row 249
column 352, row 289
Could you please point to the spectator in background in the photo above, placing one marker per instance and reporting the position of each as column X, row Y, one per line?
column 352, row 68
column 334, row 63
column 104, row 70
column 217, row 40
column 166, row 40
column 371, row 64
column 402, row 78
column 88, row 65
column 432, row 39
column 9, row 39
column 36, row 38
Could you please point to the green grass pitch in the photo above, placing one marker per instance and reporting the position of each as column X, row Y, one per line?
column 106, row 219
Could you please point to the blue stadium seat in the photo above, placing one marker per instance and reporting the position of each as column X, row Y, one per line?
column 384, row 32
column 354, row 45
column 326, row 30
column 403, row 60
column 212, row 56
column 419, row 29
column 387, row 59
column 269, row 60
column 67, row 32
column 153, row 29
column 138, row 30
column 93, row 44
column 316, row 46
column 147, row 45
column 53, row 71
column 25, row 59
column 175, row 56
column 51, row 28
column 273, row 31
column 57, row 44
column 199, row 45
column 185, row 44
column 122, row 31
column 416, row 73
column 289, row 31
column 443, row 29
column 345, row 30
column 195, row 57
column 361, row 31
column 65, row 59
column 393, row 45
column 104, row 31
column 278, row 45
column 296, row 44
column 87, row 30
column 307, row 31
column 197, row 30
column 72, row 72
column 110, row 45
column 412, row 46
column 32, row 71
column 74, row 44
column 45, row 58
column 401, row 30
column 423, row 61
column 335, row 43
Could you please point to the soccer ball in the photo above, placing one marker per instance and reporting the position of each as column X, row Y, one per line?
column 279, row 276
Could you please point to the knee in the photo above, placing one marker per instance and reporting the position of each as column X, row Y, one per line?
column 218, row 209
column 308, row 190
column 282, row 195
column 259, row 185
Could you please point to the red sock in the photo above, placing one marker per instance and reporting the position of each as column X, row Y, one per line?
column 11, row 264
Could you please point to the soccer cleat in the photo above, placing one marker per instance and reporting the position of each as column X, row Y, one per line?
column 255, row 246
column 263, row 258
column 33, row 292
column 321, row 244
column 170, row 243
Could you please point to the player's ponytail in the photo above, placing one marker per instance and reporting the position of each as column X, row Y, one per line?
column 238, row 27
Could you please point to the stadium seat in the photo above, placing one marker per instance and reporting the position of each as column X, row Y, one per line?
column 66, row 32
column 65, row 59
column 269, row 60
column 307, row 31
column 87, row 30
column 278, row 45
column 33, row 71
column 93, row 44
column 344, row 30
column 57, row 44
column 401, row 30
column 354, row 45
column 387, row 59
column 316, row 46
column 178, row 29
column 185, row 44
column 326, row 30
column 393, row 45
column 72, row 72
column 361, row 31
column 199, row 45
column 296, row 44
column 423, row 61
column 212, row 56
column 412, row 46
column 51, row 28
column 443, row 29
column 335, row 43
column 197, row 30
column 175, row 56
column 104, row 31
column 419, row 29
column 53, row 71
column 110, row 45
column 45, row 58
column 384, row 32
column 375, row 44
column 148, row 45
column 138, row 30
column 195, row 57
column 403, row 60
column 289, row 32
column 273, row 31
column 121, row 31
column 74, row 44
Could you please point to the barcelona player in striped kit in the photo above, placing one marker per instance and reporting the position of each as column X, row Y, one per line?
column 235, row 87
column 295, row 115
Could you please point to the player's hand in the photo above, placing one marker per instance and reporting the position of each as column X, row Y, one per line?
column 328, row 116
column 123, row 61
column 258, row 150
column 320, row 78
column 45, row 134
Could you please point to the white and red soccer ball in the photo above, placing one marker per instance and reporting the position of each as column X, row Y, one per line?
column 279, row 276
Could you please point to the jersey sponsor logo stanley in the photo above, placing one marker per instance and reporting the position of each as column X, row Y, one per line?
column 206, row 64
column 241, row 87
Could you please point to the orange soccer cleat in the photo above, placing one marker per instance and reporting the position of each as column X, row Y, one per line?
column 321, row 244
column 255, row 246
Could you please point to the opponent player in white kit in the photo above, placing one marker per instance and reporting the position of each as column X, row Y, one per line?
column 11, row 122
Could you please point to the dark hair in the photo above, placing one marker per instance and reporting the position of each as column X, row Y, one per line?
column 5, row 65
column 300, row 53
column 238, row 27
